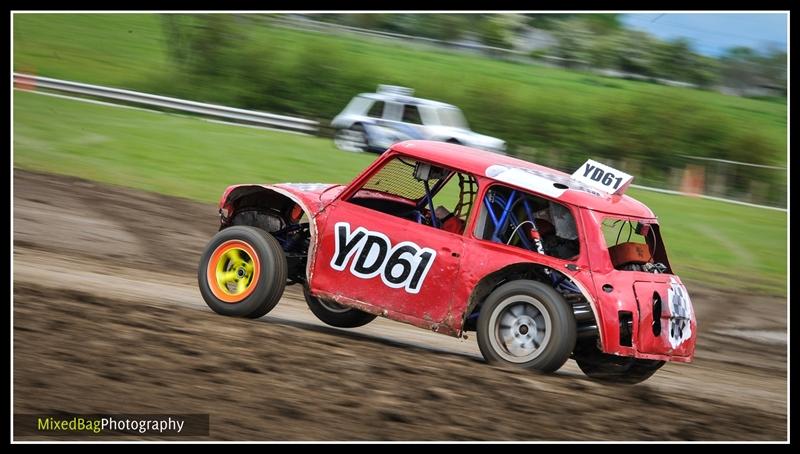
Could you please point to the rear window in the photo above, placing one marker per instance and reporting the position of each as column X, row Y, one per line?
column 634, row 245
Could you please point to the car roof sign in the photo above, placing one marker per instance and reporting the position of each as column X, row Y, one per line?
column 395, row 90
column 602, row 177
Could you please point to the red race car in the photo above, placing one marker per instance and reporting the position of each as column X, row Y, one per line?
column 543, row 265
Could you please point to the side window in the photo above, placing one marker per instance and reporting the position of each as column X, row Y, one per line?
column 420, row 192
column 514, row 217
column 411, row 114
column 376, row 111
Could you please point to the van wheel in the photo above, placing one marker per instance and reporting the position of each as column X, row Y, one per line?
column 353, row 139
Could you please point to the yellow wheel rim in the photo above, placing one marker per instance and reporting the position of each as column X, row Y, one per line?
column 233, row 271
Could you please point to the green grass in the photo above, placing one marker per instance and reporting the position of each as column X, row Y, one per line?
column 171, row 154
column 122, row 50
column 541, row 106
column 723, row 244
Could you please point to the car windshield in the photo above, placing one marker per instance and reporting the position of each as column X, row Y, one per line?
column 446, row 116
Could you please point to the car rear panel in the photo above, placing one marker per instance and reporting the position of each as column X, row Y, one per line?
column 667, row 325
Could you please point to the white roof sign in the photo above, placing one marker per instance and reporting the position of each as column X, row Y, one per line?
column 602, row 177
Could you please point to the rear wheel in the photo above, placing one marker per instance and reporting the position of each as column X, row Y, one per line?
column 353, row 139
column 335, row 314
column 527, row 324
column 612, row 368
column 242, row 272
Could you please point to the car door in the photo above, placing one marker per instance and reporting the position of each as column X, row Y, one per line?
column 386, row 262
column 405, row 120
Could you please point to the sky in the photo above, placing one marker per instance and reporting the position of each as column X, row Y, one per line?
column 712, row 33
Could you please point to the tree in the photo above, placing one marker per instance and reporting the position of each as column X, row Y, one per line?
column 602, row 24
column 774, row 68
column 495, row 31
column 574, row 41
column 672, row 59
column 741, row 68
column 635, row 53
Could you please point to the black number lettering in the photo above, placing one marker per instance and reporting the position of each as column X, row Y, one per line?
column 406, row 265
column 598, row 174
column 394, row 260
column 343, row 246
column 616, row 185
column 383, row 248
column 424, row 258
column 608, row 178
column 589, row 168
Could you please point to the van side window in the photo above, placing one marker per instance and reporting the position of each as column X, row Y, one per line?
column 411, row 114
column 376, row 111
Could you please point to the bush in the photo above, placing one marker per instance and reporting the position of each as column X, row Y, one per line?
column 317, row 76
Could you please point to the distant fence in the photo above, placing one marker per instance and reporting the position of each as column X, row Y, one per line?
column 211, row 110
column 763, row 186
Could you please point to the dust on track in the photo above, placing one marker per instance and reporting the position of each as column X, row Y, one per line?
column 107, row 319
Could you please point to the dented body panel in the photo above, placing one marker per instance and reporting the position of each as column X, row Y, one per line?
column 434, row 279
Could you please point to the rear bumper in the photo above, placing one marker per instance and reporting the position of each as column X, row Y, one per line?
column 656, row 322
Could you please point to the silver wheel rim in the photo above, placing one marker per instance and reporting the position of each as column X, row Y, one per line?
column 349, row 140
column 520, row 328
column 333, row 307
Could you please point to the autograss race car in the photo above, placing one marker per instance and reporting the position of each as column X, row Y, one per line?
column 543, row 265
column 376, row 121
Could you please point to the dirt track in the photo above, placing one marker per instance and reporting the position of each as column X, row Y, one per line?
column 108, row 319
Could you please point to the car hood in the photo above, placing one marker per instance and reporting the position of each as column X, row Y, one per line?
column 311, row 196
column 314, row 195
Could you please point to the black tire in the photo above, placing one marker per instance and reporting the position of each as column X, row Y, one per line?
column 353, row 139
column 526, row 298
column 336, row 315
column 271, row 279
column 612, row 368
column 268, row 222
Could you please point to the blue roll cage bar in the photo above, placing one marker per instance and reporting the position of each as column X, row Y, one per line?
column 492, row 200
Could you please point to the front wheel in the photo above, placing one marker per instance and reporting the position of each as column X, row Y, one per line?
column 527, row 324
column 335, row 314
column 242, row 272
column 607, row 368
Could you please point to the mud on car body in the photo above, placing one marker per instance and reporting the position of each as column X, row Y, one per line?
column 543, row 265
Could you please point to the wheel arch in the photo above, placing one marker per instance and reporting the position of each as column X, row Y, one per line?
column 271, row 199
column 519, row 271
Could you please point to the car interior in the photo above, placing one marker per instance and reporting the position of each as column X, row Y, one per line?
column 420, row 192
column 516, row 218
